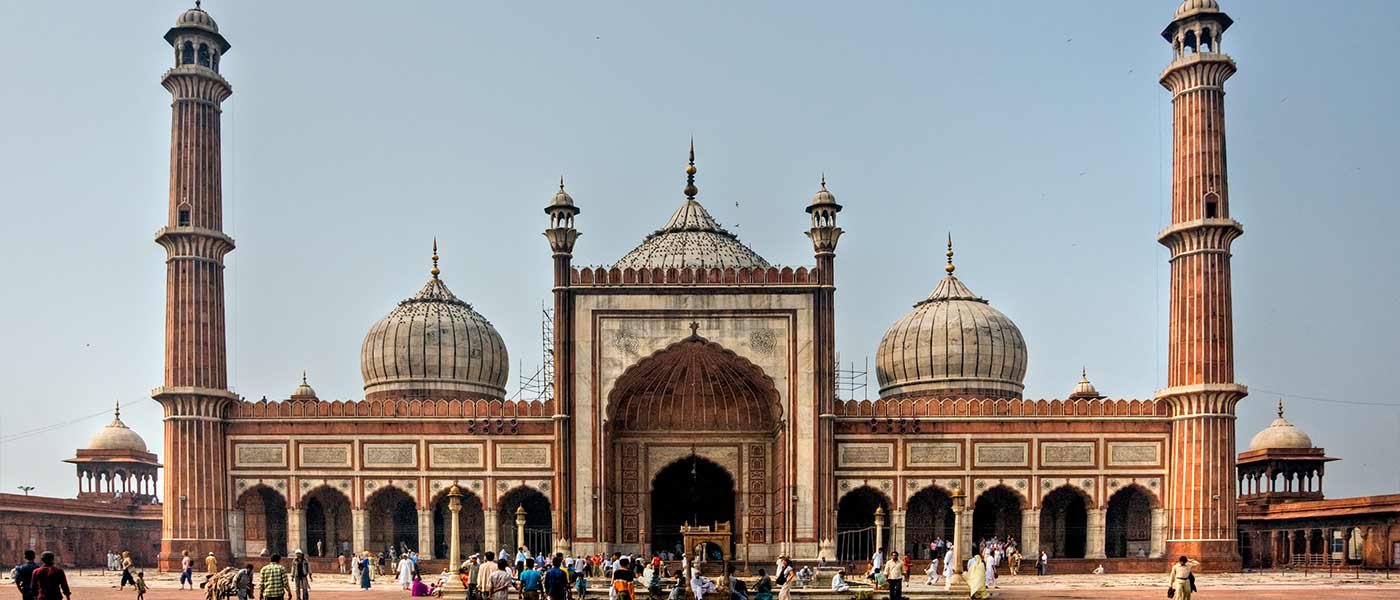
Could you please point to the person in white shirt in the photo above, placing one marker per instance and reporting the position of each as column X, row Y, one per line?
column 838, row 583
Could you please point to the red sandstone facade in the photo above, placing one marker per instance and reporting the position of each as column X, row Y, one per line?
column 693, row 370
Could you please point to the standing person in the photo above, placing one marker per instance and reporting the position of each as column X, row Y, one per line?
column 1042, row 564
column 354, row 569
column 211, row 564
column 894, row 576
column 623, row 580
column 531, row 581
column 976, row 576
column 272, row 579
column 1182, row 582
column 141, row 586
column 483, row 575
column 992, row 560
column 340, row 560
column 24, row 575
column 186, row 569
column 365, row 566
column 556, row 581
column 405, row 571
column 498, row 584
column 125, row 563
column 48, row 581
column 877, row 561
column 948, row 558
column 301, row 576
column 243, row 582
column 320, row 549
column 785, row 577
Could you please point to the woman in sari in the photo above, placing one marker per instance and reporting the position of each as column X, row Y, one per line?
column 976, row 576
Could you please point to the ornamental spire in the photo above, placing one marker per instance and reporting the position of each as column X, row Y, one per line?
column 1280, row 407
column 690, row 190
column 950, row 268
column 435, row 270
column 117, row 414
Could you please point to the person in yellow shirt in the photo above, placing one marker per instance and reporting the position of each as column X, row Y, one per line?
column 211, row 564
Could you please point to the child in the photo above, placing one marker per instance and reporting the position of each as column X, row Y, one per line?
column 580, row 585
column 141, row 585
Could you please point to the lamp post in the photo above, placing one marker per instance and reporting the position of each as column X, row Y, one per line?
column 879, row 526
column 453, row 587
column 520, row 525
column 26, row 489
column 959, row 500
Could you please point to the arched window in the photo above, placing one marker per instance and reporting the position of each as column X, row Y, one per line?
column 1207, row 43
column 204, row 55
column 187, row 54
column 1190, row 42
column 184, row 215
column 1212, row 206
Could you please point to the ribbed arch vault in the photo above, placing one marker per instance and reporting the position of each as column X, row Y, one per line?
column 694, row 385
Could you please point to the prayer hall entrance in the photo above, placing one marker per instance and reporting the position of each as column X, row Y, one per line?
column 694, row 431
column 692, row 491
column 997, row 514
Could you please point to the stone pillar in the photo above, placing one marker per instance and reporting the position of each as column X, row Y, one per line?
column 425, row 534
column 359, row 530
column 897, row 541
column 1030, row 532
column 296, row 531
column 962, row 530
column 490, row 536
column 235, row 533
column 1159, row 533
column 880, row 528
column 1095, row 540
column 454, row 588
column 520, row 526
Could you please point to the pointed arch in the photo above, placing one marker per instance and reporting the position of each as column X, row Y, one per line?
column 694, row 385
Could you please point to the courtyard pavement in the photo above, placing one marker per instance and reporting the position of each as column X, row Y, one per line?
column 1250, row 586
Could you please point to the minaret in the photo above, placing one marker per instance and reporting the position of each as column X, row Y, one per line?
column 562, row 235
column 195, row 393
column 1201, row 384
column 824, row 234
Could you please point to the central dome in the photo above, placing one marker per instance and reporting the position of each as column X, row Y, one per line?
column 434, row 344
column 691, row 238
column 952, row 344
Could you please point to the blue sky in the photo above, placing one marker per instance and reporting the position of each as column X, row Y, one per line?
column 1035, row 131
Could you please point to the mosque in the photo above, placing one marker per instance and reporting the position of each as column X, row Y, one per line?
column 694, row 398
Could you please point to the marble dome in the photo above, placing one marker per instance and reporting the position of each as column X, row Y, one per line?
column 1280, row 435
column 691, row 238
column 197, row 18
column 434, row 344
column 116, row 436
column 1190, row 7
column 952, row 344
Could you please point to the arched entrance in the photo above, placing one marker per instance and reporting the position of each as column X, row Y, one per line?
column 393, row 521
column 328, row 521
column 855, row 524
column 997, row 514
column 471, row 526
column 1064, row 523
column 693, row 405
column 1128, row 526
column 539, row 534
column 691, row 491
column 929, row 515
column 264, row 520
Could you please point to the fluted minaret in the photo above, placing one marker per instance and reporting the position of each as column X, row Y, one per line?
column 195, row 393
column 824, row 235
column 1201, row 384
column 562, row 236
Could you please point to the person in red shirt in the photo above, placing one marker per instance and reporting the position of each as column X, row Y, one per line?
column 48, row 581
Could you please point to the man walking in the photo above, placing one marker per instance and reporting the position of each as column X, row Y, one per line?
column 48, row 581
column 272, row 580
column 211, row 564
column 894, row 576
column 186, row 569
column 556, row 581
column 301, row 576
column 24, row 575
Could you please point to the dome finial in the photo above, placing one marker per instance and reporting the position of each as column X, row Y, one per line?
column 561, row 183
column 690, row 189
column 1084, row 373
column 435, row 270
column 950, row 266
column 303, row 377
column 1280, row 407
column 196, row 4
column 117, row 413
column 823, row 181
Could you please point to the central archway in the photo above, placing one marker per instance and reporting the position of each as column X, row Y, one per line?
column 691, row 491
column 929, row 516
column 1064, row 523
column 328, row 522
column 855, row 524
column 697, row 394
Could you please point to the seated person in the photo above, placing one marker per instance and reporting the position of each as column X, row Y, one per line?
column 838, row 582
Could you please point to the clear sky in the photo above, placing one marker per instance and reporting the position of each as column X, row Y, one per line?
column 1035, row 131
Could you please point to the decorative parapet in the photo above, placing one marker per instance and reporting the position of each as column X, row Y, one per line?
column 1002, row 408
column 756, row 276
column 448, row 409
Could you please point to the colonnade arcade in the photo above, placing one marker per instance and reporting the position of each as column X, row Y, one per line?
column 114, row 481
column 326, row 522
column 1302, row 545
column 1065, row 522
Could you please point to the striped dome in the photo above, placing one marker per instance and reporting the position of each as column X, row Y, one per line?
column 952, row 344
column 434, row 344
